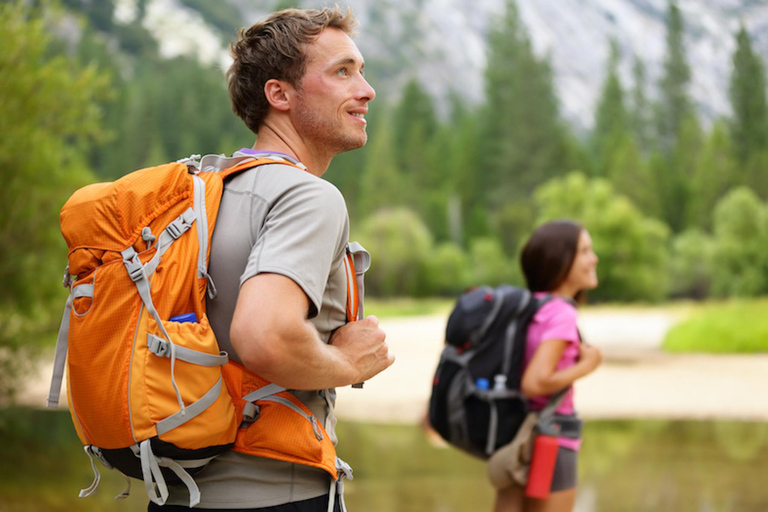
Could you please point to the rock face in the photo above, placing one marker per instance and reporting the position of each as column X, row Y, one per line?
column 443, row 43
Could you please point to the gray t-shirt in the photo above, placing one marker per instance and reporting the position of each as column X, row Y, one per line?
column 277, row 219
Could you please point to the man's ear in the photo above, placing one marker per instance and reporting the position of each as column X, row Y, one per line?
column 278, row 93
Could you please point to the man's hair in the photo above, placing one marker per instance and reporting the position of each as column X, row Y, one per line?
column 276, row 48
column 548, row 255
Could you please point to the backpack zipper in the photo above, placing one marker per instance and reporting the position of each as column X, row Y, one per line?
column 309, row 417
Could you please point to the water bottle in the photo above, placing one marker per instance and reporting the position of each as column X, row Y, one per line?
column 482, row 384
column 545, row 449
column 186, row 317
column 500, row 382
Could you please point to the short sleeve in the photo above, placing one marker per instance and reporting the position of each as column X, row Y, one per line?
column 303, row 234
column 557, row 321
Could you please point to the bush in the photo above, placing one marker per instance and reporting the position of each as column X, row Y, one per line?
column 400, row 245
column 448, row 270
column 489, row 265
column 740, row 261
column 690, row 265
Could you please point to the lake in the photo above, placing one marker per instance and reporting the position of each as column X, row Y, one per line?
column 680, row 466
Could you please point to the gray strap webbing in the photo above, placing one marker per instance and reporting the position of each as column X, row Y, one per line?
column 362, row 261
column 82, row 290
column 201, row 219
column 492, row 429
column 162, row 348
column 509, row 335
column 191, row 410
column 476, row 336
column 150, row 470
column 343, row 470
column 137, row 273
column 84, row 493
column 172, row 231
column 216, row 163
column 60, row 359
column 194, row 491
column 263, row 392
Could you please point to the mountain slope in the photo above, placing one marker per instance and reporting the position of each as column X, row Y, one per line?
column 443, row 42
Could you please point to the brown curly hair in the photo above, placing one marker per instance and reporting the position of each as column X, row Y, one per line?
column 276, row 48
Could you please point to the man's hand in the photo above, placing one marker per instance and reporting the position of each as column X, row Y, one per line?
column 364, row 345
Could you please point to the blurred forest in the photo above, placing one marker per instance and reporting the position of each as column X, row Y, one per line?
column 676, row 209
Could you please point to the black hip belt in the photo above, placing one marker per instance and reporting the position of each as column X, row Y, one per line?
column 569, row 425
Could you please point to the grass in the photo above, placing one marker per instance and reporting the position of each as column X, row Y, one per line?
column 735, row 326
column 407, row 306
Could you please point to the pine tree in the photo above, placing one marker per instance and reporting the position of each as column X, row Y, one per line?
column 675, row 104
column 747, row 92
column 640, row 117
column 714, row 177
column 521, row 136
column 611, row 118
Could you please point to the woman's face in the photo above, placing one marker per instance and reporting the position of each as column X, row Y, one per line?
column 583, row 273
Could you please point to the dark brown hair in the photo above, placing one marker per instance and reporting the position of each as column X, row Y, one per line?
column 276, row 48
column 549, row 254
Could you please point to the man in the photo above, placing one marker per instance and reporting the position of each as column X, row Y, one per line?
column 278, row 252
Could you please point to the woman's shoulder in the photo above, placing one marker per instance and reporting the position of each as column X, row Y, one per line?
column 555, row 309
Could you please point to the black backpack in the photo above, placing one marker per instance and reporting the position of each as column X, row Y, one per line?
column 476, row 403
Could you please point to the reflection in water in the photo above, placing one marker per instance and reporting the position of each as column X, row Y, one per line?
column 653, row 466
column 625, row 466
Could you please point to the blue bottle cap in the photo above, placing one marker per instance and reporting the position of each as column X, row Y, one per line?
column 482, row 384
column 186, row 317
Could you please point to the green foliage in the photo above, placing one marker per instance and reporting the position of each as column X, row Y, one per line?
column 690, row 264
column 522, row 141
column 632, row 248
column 747, row 92
column 401, row 245
column 712, row 178
column 448, row 270
column 736, row 326
column 639, row 112
column 674, row 104
column 490, row 266
column 41, row 164
column 611, row 118
column 740, row 261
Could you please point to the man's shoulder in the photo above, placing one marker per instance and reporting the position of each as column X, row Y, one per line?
column 273, row 180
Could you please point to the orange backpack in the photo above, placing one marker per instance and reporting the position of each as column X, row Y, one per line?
column 149, row 392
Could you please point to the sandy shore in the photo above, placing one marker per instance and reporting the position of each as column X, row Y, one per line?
column 636, row 379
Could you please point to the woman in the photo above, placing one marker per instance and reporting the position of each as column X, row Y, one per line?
column 558, row 261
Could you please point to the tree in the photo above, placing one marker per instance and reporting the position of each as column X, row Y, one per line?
column 674, row 105
column 611, row 118
column 405, row 240
column 41, row 159
column 522, row 141
column 381, row 183
column 639, row 114
column 740, row 264
column 632, row 248
column 713, row 177
column 747, row 93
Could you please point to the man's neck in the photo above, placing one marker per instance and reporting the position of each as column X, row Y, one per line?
column 272, row 140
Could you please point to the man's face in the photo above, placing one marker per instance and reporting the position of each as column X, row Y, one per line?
column 329, row 111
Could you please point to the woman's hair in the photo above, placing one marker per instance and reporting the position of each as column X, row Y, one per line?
column 548, row 255
column 276, row 48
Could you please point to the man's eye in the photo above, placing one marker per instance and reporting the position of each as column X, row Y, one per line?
column 342, row 71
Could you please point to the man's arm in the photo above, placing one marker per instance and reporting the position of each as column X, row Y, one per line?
column 274, row 339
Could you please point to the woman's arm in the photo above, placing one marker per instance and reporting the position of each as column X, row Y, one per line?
column 541, row 376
